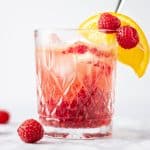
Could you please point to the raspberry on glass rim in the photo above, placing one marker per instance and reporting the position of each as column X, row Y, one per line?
column 127, row 37
column 108, row 22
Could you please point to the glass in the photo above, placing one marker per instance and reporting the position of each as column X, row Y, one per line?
column 75, row 83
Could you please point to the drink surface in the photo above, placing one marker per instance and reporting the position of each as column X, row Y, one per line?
column 75, row 85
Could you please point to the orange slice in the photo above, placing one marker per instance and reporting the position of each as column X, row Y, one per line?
column 137, row 58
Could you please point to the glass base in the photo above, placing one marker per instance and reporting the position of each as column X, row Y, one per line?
column 80, row 133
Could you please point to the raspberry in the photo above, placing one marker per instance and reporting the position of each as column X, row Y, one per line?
column 78, row 47
column 4, row 117
column 108, row 22
column 62, row 110
column 81, row 48
column 127, row 37
column 100, row 53
column 88, row 106
column 104, row 68
column 30, row 131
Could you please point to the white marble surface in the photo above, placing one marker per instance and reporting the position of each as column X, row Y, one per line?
column 127, row 135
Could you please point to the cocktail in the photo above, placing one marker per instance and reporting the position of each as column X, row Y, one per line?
column 75, row 83
column 75, row 72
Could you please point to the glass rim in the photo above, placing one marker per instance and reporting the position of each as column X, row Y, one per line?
column 38, row 30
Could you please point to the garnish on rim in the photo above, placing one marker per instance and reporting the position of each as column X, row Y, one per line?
column 108, row 22
column 137, row 57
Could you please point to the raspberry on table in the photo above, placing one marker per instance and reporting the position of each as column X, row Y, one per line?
column 4, row 116
column 30, row 131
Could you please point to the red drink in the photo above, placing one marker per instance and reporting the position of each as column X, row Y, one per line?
column 75, row 88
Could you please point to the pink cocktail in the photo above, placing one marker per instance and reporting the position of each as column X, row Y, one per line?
column 75, row 84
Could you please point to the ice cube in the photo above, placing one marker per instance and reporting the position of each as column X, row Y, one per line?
column 64, row 70
column 54, row 38
column 55, row 41
column 64, row 65
column 87, row 57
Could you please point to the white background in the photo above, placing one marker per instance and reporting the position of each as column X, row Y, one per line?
column 19, row 18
